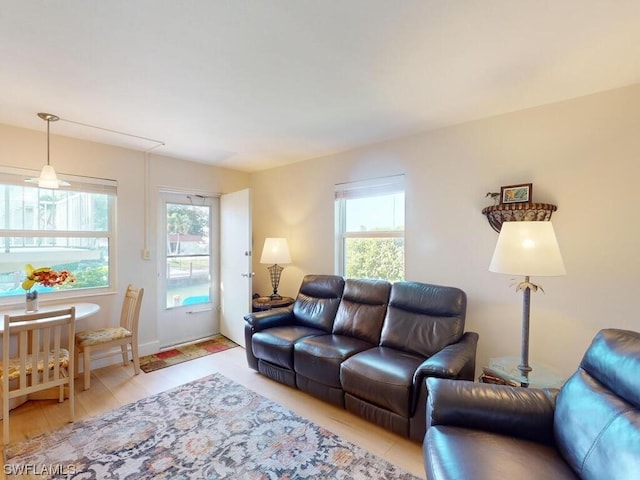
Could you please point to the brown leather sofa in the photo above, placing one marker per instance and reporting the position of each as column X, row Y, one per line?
column 589, row 429
column 366, row 345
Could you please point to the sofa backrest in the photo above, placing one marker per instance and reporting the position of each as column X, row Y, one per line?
column 597, row 415
column 423, row 318
column 317, row 301
column 362, row 309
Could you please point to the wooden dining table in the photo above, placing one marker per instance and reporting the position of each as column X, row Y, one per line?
column 83, row 310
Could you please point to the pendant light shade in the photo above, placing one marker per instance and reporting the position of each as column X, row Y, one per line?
column 48, row 177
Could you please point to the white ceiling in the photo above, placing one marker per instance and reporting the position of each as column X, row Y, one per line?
column 253, row 84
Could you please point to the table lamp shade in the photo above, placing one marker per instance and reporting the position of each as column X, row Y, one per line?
column 527, row 249
column 275, row 251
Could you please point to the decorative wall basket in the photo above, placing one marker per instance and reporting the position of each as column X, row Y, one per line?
column 507, row 212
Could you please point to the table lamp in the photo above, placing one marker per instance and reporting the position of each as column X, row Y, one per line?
column 275, row 252
column 527, row 249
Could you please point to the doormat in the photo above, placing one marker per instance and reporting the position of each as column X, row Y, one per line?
column 151, row 363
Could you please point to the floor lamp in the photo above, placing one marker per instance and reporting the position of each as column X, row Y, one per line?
column 528, row 249
column 275, row 252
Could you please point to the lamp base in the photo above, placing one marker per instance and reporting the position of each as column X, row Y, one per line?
column 274, row 272
column 524, row 373
column 526, row 308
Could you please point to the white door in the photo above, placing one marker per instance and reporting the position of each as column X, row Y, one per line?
column 235, row 263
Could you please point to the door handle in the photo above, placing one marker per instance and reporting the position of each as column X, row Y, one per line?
column 248, row 275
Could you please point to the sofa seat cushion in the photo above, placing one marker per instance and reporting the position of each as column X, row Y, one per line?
column 318, row 358
column 456, row 453
column 275, row 345
column 383, row 377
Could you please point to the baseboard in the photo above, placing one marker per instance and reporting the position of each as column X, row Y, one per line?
column 104, row 358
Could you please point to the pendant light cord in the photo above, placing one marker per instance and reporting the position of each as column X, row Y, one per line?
column 48, row 125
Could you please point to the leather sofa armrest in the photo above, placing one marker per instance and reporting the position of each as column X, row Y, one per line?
column 514, row 411
column 451, row 361
column 270, row 318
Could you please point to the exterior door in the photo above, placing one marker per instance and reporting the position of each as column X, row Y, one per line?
column 235, row 263
column 188, row 268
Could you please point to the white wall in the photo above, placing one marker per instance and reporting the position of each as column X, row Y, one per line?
column 27, row 149
column 582, row 155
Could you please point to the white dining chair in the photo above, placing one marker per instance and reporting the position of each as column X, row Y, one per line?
column 41, row 362
column 123, row 336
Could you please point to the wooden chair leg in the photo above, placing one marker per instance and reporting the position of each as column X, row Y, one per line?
column 76, row 355
column 136, row 358
column 72, row 397
column 5, row 418
column 86, row 365
column 125, row 356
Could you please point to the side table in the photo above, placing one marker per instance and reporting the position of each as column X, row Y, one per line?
column 504, row 371
column 267, row 303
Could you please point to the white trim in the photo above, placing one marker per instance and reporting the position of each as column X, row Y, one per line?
column 371, row 187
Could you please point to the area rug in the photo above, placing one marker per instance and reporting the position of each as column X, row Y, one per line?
column 184, row 353
column 212, row 428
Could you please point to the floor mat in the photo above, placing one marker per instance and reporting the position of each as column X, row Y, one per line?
column 185, row 353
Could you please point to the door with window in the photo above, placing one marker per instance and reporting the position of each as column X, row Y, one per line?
column 188, row 266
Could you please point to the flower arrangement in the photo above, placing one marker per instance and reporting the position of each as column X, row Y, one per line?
column 46, row 276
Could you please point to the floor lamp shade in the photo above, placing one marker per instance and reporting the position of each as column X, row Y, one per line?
column 527, row 249
column 276, row 253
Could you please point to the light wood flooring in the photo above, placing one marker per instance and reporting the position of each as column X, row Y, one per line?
column 116, row 385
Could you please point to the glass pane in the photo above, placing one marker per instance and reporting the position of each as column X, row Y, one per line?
column 378, row 258
column 187, row 281
column 384, row 212
column 30, row 208
column 86, row 258
column 188, row 255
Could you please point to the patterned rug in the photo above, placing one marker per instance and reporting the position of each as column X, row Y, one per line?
column 184, row 353
column 212, row 428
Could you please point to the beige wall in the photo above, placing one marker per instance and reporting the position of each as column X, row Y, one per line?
column 27, row 149
column 582, row 155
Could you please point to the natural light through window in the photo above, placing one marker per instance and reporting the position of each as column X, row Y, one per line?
column 188, row 254
column 370, row 228
column 69, row 228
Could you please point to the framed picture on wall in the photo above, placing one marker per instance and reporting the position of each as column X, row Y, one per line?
column 516, row 193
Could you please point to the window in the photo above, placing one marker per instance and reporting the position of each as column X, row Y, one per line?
column 370, row 228
column 68, row 228
column 188, row 255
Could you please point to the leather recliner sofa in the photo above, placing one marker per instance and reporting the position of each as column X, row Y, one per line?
column 588, row 429
column 366, row 345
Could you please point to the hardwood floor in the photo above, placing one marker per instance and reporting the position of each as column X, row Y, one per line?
column 116, row 385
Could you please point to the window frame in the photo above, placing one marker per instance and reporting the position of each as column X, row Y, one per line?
column 357, row 190
column 212, row 202
column 16, row 177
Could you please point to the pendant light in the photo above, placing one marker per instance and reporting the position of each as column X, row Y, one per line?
column 48, row 177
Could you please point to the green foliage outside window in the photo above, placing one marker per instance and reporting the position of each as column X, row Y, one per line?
column 375, row 258
column 91, row 277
